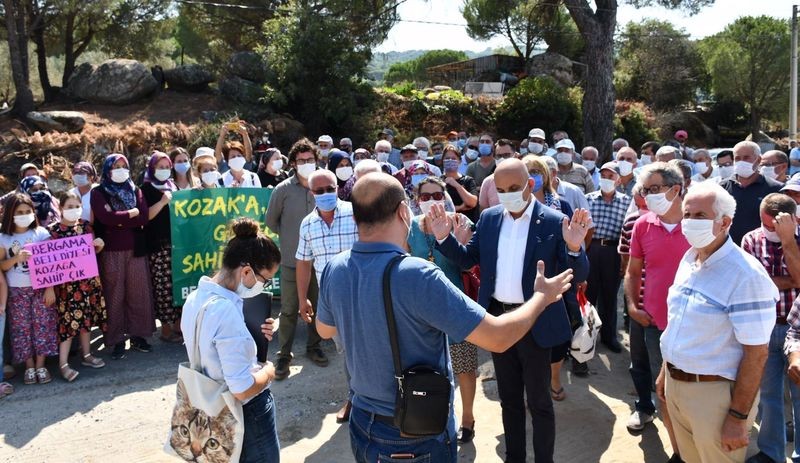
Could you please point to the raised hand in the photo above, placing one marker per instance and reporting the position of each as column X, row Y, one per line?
column 462, row 229
column 785, row 227
column 574, row 231
column 439, row 222
column 551, row 288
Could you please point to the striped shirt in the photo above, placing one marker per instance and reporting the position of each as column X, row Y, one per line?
column 716, row 307
column 608, row 217
column 320, row 242
column 770, row 254
column 624, row 247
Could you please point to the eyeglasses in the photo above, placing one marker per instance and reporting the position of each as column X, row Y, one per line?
column 472, row 147
column 438, row 196
column 503, row 155
column 486, row 142
column 301, row 162
column 322, row 191
column 653, row 189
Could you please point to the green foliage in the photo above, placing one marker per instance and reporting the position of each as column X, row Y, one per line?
column 747, row 62
column 538, row 102
column 416, row 69
column 658, row 64
column 634, row 122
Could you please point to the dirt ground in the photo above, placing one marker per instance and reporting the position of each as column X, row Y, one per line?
column 121, row 413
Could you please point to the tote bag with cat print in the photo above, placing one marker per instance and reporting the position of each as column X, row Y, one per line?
column 207, row 422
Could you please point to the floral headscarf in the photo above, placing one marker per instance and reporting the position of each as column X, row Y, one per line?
column 42, row 200
column 85, row 168
column 150, row 175
column 122, row 196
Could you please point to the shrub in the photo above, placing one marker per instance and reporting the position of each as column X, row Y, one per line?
column 634, row 122
column 537, row 102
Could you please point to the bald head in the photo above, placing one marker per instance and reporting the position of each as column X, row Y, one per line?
column 321, row 178
column 512, row 169
column 375, row 199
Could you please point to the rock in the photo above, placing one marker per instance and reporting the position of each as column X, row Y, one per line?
column 58, row 121
column 248, row 65
column 115, row 81
column 441, row 88
column 283, row 130
column 242, row 90
column 557, row 66
column 192, row 78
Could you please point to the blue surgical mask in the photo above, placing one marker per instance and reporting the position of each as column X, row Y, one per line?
column 182, row 167
column 485, row 149
column 451, row 165
column 416, row 178
column 462, row 142
column 326, row 202
column 437, row 157
column 538, row 182
column 472, row 155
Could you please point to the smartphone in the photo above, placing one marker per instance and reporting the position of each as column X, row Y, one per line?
column 233, row 126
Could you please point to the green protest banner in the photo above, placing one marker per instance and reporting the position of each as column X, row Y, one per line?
column 199, row 220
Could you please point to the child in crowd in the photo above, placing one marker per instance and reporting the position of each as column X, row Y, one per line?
column 80, row 304
column 31, row 316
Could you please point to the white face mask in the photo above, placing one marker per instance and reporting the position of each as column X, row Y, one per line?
column 72, row 214
column 771, row 235
column 625, row 167
column 422, row 154
column 535, row 148
column 607, row 185
column 324, row 153
column 645, row 159
column 277, row 165
column 210, row 177
column 245, row 293
column 382, row 156
column 344, row 173
column 513, row 202
column 725, row 171
column 425, row 206
column 698, row 232
column 407, row 164
column 306, row 170
column 743, row 169
column 472, row 155
column 237, row 163
column 658, row 203
column 120, row 175
column 589, row 165
column 701, row 167
column 24, row 221
column 162, row 174
column 769, row 172
column 497, row 161
column 563, row 158
column 80, row 179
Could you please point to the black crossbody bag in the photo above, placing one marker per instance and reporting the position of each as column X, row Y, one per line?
column 422, row 405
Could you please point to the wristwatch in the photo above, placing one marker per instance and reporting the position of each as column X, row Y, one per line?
column 736, row 414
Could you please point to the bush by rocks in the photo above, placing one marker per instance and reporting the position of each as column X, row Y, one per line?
column 248, row 65
column 538, row 102
column 115, row 81
column 242, row 90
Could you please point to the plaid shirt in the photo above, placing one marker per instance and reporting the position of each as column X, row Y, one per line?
column 608, row 217
column 320, row 242
column 770, row 255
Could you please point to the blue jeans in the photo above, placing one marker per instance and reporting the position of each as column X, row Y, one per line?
column 646, row 363
column 260, row 431
column 374, row 441
column 772, row 436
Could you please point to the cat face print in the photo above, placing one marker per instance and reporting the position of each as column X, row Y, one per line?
column 198, row 437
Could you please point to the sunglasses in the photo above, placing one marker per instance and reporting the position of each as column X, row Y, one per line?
column 472, row 147
column 321, row 191
column 438, row 196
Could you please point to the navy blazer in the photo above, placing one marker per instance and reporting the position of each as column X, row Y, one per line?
column 545, row 243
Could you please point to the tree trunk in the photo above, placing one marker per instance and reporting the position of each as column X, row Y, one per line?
column 41, row 61
column 599, row 96
column 23, row 102
column 69, row 48
column 755, row 125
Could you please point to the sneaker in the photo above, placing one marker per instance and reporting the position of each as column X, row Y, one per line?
column 675, row 458
column 139, row 344
column 318, row 357
column 282, row 368
column 638, row 420
column 119, row 351
column 580, row 369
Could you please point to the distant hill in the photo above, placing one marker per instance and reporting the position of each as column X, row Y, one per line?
column 381, row 61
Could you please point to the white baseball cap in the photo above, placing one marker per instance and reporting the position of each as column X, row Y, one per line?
column 565, row 143
column 325, row 139
column 204, row 151
column 536, row 133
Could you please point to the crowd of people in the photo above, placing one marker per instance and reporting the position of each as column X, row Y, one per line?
column 508, row 237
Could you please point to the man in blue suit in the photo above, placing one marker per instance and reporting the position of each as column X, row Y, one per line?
column 509, row 239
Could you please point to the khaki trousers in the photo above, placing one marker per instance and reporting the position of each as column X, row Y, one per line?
column 698, row 411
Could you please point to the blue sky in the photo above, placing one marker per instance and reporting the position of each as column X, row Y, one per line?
column 419, row 36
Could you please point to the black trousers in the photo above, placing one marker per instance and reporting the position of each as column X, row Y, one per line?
column 602, row 287
column 525, row 369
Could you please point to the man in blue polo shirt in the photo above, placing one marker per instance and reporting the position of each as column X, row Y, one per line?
column 351, row 304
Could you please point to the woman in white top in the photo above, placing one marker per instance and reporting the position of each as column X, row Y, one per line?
column 238, row 176
column 227, row 350
column 182, row 169
column 84, row 176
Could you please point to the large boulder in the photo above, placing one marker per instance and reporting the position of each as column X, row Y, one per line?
column 242, row 90
column 115, row 81
column 248, row 65
column 58, row 121
column 192, row 78
column 283, row 129
column 557, row 66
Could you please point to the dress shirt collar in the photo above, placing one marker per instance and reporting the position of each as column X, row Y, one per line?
column 726, row 248
column 374, row 247
column 208, row 285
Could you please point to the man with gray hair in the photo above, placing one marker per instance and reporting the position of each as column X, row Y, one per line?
column 589, row 157
column 383, row 151
column 703, row 168
column 748, row 187
column 667, row 153
column 716, row 342
column 618, row 144
column 775, row 165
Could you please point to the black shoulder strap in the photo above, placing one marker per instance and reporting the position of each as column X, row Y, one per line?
column 388, row 306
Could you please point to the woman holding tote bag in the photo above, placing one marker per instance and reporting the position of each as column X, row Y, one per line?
column 222, row 350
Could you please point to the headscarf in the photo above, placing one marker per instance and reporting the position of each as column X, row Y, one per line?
column 150, row 175
column 42, row 200
column 85, row 168
column 334, row 159
column 122, row 196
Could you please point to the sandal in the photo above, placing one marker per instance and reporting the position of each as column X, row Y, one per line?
column 30, row 376
column 558, row 395
column 43, row 376
column 93, row 362
column 8, row 372
column 6, row 389
column 68, row 373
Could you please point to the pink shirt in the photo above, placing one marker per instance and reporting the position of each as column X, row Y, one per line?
column 488, row 193
column 661, row 251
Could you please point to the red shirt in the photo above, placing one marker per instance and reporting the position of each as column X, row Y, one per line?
column 661, row 251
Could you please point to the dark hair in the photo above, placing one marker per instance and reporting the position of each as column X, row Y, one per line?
column 775, row 203
column 302, row 145
column 9, row 206
column 435, row 180
column 372, row 208
column 250, row 247
column 174, row 152
column 504, row 142
column 724, row 154
column 63, row 196
column 653, row 145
